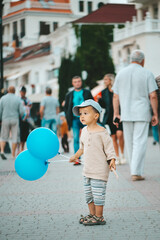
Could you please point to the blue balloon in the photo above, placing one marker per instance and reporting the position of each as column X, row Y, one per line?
column 43, row 143
column 28, row 167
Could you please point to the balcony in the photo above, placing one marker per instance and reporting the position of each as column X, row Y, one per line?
column 134, row 28
column 39, row 5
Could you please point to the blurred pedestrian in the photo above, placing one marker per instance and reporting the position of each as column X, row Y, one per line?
column 49, row 110
column 106, row 102
column 98, row 150
column 11, row 108
column 64, row 132
column 24, row 122
column 73, row 98
column 135, row 90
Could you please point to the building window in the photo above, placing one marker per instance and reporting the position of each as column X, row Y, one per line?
column 128, row 55
column 155, row 11
column 50, row 74
column 89, row 7
column 22, row 23
column 81, row 6
column 55, row 26
column 25, row 79
column 100, row 4
column 56, row 72
column 33, row 88
column 44, row 28
column 119, row 54
column 36, row 77
column 14, row 30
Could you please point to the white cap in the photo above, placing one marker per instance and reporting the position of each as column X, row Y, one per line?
column 87, row 103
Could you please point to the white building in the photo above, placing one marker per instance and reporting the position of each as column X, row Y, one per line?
column 33, row 67
column 142, row 33
column 29, row 20
column 27, row 23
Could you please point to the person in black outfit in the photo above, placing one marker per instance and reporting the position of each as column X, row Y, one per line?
column 73, row 98
column 24, row 124
column 106, row 102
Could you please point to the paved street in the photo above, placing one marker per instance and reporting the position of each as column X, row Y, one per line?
column 50, row 208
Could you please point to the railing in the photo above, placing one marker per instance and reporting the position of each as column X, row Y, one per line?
column 40, row 5
column 134, row 28
column 17, row 8
column 49, row 5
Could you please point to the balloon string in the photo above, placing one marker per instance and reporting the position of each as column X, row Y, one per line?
column 115, row 173
column 47, row 162
column 63, row 155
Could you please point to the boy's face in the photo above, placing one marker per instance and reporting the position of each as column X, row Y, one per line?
column 88, row 115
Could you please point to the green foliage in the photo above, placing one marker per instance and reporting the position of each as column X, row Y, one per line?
column 94, row 52
column 69, row 68
column 92, row 56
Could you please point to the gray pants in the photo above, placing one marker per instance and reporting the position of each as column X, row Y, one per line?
column 135, row 136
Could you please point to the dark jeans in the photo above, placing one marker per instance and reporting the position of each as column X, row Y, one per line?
column 51, row 124
column 76, row 126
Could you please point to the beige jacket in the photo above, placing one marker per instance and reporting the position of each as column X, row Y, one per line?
column 98, row 149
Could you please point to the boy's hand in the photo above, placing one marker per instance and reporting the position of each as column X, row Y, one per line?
column 76, row 155
column 112, row 164
column 72, row 159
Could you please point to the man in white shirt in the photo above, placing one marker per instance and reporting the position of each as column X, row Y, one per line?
column 135, row 91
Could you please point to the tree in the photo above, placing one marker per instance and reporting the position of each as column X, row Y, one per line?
column 69, row 68
column 92, row 56
column 93, row 53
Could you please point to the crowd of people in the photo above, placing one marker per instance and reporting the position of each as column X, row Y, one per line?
column 126, row 98
column 130, row 103
column 14, row 115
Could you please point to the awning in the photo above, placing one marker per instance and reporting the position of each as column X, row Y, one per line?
column 15, row 75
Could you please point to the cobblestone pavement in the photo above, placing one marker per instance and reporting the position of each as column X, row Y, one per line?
column 49, row 208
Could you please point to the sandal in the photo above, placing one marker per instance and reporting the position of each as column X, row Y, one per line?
column 82, row 219
column 100, row 220
column 94, row 221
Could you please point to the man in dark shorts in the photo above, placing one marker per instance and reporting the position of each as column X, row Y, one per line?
column 106, row 102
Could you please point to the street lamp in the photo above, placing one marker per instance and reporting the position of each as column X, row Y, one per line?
column 1, row 44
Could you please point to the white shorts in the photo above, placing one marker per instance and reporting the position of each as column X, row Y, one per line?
column 10, row 126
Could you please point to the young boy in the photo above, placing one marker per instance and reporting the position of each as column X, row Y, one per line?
column 97, row 147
